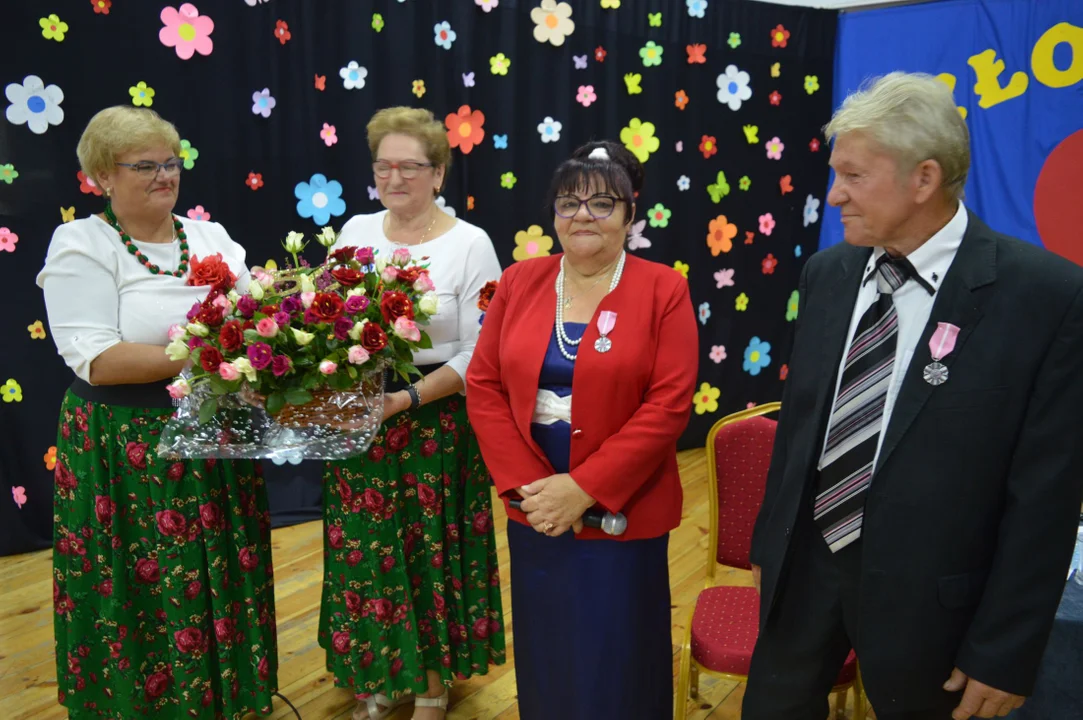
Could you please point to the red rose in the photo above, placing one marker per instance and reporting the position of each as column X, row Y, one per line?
column 210, row 315
column 428, row 448
column 211, row 516
column 439, row 604
column 409, row 275
column 211, row 270
column 387, row 563
column 367, row 659
column 437, row 561
column 410, row 479
column 224, row 629
column 426, row 495
column 394, row 305
column 398, row 438
column 64, row 477
column 341, row 642
column 104, row 509
column 189, row 640
column 192, row 591
column 231, row 336
column 334, row 536
column 176, row 471
column 485, row 295
column 171, row 523
column 481, row 628
column 374, row 500
column 382, row 608
column 344, row 254
column 396, row 666
column 457, row 632
column 326, row 307
column 353, row 602
column 105, row 588
column 63, row 605
column 155, row 685
column 347, row 277
column 137, row 455
column 373, row 338
column 210, row 359
column 208, row 697
column 248, row 559
column 354, row 557
column 147, row 571
column 264, row 668
column 483, row 522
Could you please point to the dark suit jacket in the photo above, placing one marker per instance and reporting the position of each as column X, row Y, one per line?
column 970, row 518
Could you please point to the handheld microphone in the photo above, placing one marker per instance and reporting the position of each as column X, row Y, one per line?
column 607, row 522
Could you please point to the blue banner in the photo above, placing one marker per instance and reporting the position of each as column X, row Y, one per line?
column 1016, row 68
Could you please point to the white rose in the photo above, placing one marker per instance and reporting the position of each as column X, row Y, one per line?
column 428, row 303
column 356, row 291
column 303, row 338
column 256, row 291
column 307, row 285
column 355, row 332
column 197, row 329
column 294, row 242
column 177, row 350
column 244, row 367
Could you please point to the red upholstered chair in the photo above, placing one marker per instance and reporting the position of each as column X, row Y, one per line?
column 723, row 625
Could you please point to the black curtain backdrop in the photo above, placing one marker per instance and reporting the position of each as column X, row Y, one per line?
column 743, row 292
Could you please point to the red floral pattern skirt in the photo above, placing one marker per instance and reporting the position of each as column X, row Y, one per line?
column 162, row 581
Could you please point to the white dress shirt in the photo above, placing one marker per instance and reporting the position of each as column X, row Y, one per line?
column 460, row 262
column 913, row 304
column 97, row 294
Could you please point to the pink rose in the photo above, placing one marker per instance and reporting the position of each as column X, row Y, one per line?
column 396, row 664
column 189, row 640
column 390, row 274
column 428, row 448
column 356, row 304
column 483, row 522
column 178, row 390
column 357, row 355
column 176, row 331
column 137, row 455
column 105, row 588
column 267, row 328
column 354, row 557
column 407, row 329
column 367, row 658
column 264, row 668
column 382, row 608
column 192, row 591
column 353, row 602
column 211, row 516
column 374, row 500
column 224, row 629
column 481, row 628
column 171, row 523
column 228, row 372
column 328, row 367
column 155, row 685
column 424, row 283
column 401, row 256
column 281, row 365
column 341, row 642
column 248, row 559
column 334, row 536
column 387, row 563
column 104, row 509
column 426, row 495
column 307, row 298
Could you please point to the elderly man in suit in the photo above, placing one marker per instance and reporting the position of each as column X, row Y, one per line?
column 927, row 473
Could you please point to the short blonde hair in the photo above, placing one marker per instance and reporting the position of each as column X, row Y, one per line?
column 120, row 129
column 417, row 123
column 913, row 116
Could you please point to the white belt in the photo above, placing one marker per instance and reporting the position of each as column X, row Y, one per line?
column 550, row 408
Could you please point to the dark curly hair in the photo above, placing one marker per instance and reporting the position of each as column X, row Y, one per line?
column 622, row 174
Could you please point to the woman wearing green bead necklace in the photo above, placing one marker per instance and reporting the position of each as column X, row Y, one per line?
column 162, row 583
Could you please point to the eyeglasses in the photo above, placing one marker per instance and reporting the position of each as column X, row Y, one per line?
column 598, row 206
column 149, row 169
column 408, row 170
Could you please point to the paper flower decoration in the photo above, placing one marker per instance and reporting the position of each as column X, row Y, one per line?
column 811, row 212
column 198, row 213
column 186, row 31
column 419, row 88
column 718, row 353
column 659, row 216
column 500, row 142
column 580, row 62
column 444, row 36
column 353, row 76
column 464, row 128
column 769, row 263
column 651, row 54
column 282, row 32
column 586, row 95
column 87, row 186
column 639, row 137
column 7, row 240
column 319, row 199
column 636, row 241
column 50, row 457
column 53, row 28
column 442, row 204
column 610, row 4
column 34, row 104
column 499, row 64
column 681, row 268
column 720, row 234
column 735, row 40
column 487, row 5
column 8, row 173
column 697, row 54
column 142, row 94
column 719, row 188
column 744, row 183
column 741, row 303
column 724, row 278
column 188, row 154
column 708, row 145
column 706, row 399
column 684, row 183
column 254, row 181
column 531, row 243
column 11, row 391
column 508, row 180
column 767, row 224
column 779, row 37
column 327, row 134
column 631, row 81
column 377, row 22
column 733, row 87
column 775, row 148
column 468, row 79
column 792, row 305
column 552, row 22
column 757, row 356
column 262, row 103
column 751, row 134
column 696, row 8
column 812, row 84
column 549, row 130
column 704, row 313
column 101, row 7
column 599, row 54
column 775, row 98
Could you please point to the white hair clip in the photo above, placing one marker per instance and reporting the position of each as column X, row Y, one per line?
column 598, row 154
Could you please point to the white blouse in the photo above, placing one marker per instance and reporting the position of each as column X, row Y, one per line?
column 460, row 261
column 97, row 294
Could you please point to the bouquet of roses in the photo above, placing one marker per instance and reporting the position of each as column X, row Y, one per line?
column 308, row 345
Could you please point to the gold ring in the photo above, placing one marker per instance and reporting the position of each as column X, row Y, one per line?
column 548, row 527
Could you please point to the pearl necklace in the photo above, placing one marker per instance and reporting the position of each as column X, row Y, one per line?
column 562, row 337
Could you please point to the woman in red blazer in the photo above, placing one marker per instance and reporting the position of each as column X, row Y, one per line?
column 617, row 333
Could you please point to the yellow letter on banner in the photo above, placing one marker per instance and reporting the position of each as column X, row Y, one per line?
column 949, row 80
column 987, row 87
column 1041, row 59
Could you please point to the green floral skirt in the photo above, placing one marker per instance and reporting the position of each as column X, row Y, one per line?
column 410, row 572
column 162, row 582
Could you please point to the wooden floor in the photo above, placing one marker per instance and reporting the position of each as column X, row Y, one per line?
column 28, row 672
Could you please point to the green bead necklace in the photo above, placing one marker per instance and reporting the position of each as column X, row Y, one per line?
column 181, row 270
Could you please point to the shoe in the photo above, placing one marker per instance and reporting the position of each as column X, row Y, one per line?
column 440, row 702
column 378, row 706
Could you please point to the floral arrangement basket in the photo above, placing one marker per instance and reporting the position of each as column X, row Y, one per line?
column 293, row 368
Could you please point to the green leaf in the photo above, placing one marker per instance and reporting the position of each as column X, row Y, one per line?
column 207, row 410
column 251, row 336
column 311, row 381
column 219, row 386
column 352, row 371
column 275, row 401
column 425, row 342
column 297, row 396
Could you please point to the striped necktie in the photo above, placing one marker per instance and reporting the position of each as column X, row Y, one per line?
column 857, row 417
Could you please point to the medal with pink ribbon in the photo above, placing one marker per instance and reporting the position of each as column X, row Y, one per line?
column 940, row 345
column 606, row 321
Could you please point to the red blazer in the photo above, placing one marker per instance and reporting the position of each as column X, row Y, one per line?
column 629, row 405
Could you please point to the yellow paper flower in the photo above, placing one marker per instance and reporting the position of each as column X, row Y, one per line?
column 706, row 399
column 67, row 214
column 11, row 391
column 552, row 22
column 639, row 138
column 499, row 64
column 776, row 70
column 610, row 4
column 419, row 87
column 631, row 81
column 742, row 302
column 142, row 95
column 531, row 243
column 50, row 458
column 682, row 268
column 37, row 331
column 812, row 84
column 53, row 28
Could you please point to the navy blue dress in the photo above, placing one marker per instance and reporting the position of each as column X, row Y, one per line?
column 592, row 617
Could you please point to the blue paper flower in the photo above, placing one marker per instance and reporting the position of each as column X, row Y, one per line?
column 704, row 312
column 500, row 142
column 757, row 356
column 319, row 199
column 797, row 251
column 696, row 8
column 444, row 35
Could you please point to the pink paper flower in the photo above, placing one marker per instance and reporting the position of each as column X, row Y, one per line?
column 7, row 240
column 407, row 329
column 775, row 148
column 18, row 493
column 198, row 213
column 187, row 31
column 328, row 367
column 328, row 135
column 767, row 224
column 586, row 95
column 228, row 372
column 357, row 355
column 724, row 278
column 718, row 353
column 267, row 328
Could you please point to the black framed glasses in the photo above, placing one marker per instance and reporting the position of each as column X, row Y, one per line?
column 149, row 169
column 409, row 170
column 599, row 206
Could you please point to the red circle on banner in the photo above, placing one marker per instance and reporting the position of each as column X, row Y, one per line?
column 1058, row 207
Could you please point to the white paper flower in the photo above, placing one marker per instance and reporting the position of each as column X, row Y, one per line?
column 683, row 183
column 442, row 204
column 549, row 129
column 353, row 76
column 812, row 210
column 34, row 104
column 733, row 87
column 552, row 22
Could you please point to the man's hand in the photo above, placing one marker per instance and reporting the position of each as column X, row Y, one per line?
column 980, row 700
column 756, row 576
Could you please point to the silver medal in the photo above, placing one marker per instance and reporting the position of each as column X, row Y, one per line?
column 603, row 344
column 935, row 373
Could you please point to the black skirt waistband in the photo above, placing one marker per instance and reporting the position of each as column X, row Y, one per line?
column 393, row 382
column 149, row 395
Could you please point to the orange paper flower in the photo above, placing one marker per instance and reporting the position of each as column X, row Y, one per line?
column 779, row 36
column 720, row 234
column 464, row 129
column 680, row 99
column 697, row 54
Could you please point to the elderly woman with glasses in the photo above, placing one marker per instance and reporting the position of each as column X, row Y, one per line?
column 580, row 386
column 411, row 594
column 162, row 582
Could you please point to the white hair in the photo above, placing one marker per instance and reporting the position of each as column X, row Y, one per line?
column 912, row 116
